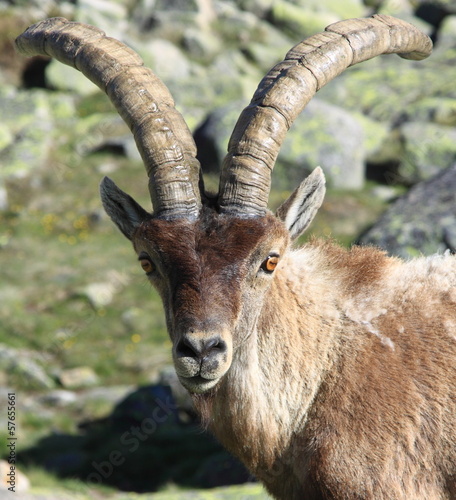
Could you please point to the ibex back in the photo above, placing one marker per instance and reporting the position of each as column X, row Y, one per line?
column 330, row 373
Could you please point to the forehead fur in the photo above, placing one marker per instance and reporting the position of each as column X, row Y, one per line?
column 219, row 237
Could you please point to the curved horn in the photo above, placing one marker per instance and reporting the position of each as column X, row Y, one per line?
column 284, row 92
column 143, row 101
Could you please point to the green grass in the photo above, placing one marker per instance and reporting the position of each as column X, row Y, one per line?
column 44, row 481
column 55, row 246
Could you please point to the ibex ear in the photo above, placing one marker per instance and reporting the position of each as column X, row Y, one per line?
column 299, row 210
column 126, row 214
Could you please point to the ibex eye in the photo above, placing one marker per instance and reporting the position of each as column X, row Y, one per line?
column 270, row 263
column 146, row 264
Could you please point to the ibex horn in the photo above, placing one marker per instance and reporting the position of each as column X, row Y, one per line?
column 161, row 134
column 284, row 92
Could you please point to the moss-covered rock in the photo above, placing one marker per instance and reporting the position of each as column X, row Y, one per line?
column 300, row 22
column 323, row 135
column 6, row 136
column 377, row 139
column 421, row 222
column 393, row 7
column 439, row 110
column 24, row 368
column 164, row 58
column 327, row 136
column 303, row 18
column 194, row 99
column 28, row 128
column 428, row 149
column 258, row 7
column 344, row 10
column 202, row 45
column 386, row 88
column 103, row 131
column 62, row 77
column 109, row 15
column 448, row 28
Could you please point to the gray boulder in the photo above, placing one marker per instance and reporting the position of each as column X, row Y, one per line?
column 62, row 77
column 391, row 7
column 262, row 43
column 258, row 7
column 423, row 221
column 24, row 367
column 323, row 134
column 27, row 132
column 80, row 376
column 26, row 125
column 201, row 45
column 328, row 136
column 307, row 17
column 344, row 10
column 107, row 131
column 160, row 15
column 108, row 15
column 428, row 149
column 165, row 59
column 299, row 22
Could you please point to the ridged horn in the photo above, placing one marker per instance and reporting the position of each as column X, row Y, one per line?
column 283, row 93
column 142, row 100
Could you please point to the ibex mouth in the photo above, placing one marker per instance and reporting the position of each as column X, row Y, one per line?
column 198, row 384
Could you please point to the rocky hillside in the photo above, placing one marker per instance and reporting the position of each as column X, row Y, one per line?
column 388, row 120
column 79, row 329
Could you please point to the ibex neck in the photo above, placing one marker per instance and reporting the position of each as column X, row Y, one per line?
column 269, row 389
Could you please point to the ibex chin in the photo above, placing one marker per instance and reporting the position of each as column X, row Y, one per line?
column 330, row 373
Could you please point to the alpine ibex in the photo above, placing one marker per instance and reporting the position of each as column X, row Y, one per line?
column 330, row 373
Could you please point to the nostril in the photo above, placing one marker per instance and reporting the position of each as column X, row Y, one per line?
column 200, row 348
column 186, row 349
column 215, row 345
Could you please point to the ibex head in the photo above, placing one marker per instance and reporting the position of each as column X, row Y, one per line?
column 213, row 258
column 212, row 269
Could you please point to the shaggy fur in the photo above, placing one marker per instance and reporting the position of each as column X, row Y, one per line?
column 351, row 388
column 341, row 383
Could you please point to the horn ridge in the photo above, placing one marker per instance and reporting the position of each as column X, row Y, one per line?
column 143, row 101
column 288, row 87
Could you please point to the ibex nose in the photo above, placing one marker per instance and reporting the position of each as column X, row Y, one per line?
column 200, row 348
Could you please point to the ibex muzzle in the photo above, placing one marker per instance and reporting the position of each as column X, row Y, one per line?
column 329, row 372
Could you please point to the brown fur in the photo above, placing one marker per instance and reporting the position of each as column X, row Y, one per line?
column 342, row 383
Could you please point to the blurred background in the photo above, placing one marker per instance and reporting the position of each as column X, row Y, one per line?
column 83, row 344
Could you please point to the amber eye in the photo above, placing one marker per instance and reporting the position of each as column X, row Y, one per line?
column 147, row 265
column 270, row 263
